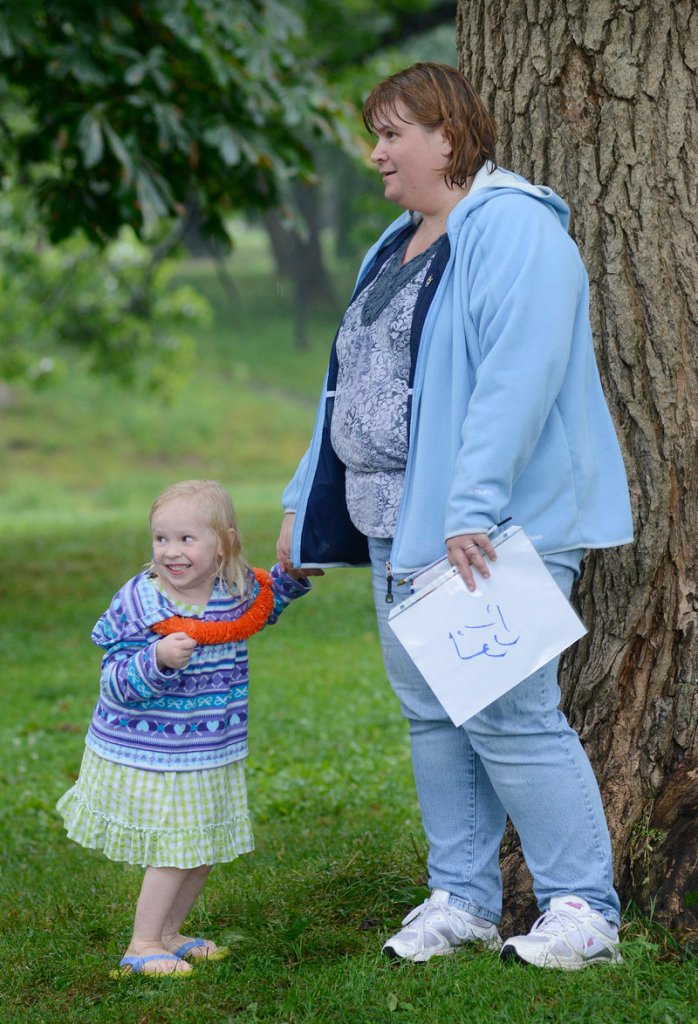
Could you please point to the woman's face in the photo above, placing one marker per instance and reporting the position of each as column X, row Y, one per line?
column 412, row 161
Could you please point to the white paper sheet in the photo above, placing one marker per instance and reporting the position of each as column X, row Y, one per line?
column 473, row 647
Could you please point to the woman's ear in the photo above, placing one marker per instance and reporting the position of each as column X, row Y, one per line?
column 446, row 141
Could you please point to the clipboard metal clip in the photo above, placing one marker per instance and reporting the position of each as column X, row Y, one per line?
column 428, row 572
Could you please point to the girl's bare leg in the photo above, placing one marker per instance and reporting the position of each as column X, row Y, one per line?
column 186, row 897
column 159, row 893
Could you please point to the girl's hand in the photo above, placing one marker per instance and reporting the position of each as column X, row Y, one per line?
column 174, row 651
column 469, row 549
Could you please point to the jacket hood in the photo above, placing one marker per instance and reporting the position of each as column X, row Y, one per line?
column 490, row 180
column 489, row 183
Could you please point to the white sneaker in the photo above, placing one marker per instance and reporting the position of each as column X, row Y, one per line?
column 435, row 928
column 570, row 935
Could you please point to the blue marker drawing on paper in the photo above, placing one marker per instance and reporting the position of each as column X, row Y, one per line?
column 463, row 647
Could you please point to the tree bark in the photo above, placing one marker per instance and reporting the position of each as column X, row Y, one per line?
column 599, row 99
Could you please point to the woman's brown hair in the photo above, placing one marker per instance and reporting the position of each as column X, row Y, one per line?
column 438, row 95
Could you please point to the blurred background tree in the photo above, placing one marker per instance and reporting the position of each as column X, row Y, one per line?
column 114, row 304
column 122, row 114
column 353, row 45
column 155, row 124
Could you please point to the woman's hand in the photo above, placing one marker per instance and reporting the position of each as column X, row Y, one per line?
column 174, row 651
column 283, row 550
column 469, row 549
column 283, row 544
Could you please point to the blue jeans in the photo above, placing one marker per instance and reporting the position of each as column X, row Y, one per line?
column 519, row 757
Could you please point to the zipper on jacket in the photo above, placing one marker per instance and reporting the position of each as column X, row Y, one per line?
column 389, row 580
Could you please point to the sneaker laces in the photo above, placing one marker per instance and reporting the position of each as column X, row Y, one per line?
column 454, row 918
column 562, row 924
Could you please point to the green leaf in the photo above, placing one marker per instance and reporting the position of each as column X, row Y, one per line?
column 90, row 140
column 136, row 73
column 151, row 202
column 170, row 131
column 391, row 1002
column 226, row 141
column 119, row 150
column 7, row 46
column 72, row 62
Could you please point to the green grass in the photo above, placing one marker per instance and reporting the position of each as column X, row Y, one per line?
column 340, row 852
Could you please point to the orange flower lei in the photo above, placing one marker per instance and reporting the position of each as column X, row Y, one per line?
column 231, row 630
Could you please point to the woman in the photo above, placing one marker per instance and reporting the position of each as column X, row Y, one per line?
column 463, row 390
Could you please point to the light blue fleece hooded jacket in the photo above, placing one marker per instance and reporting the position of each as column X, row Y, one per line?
column 508, row 418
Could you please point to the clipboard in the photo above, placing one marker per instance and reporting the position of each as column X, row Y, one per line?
column 472, row 647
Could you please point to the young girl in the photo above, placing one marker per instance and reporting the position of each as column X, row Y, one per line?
column 162, row 781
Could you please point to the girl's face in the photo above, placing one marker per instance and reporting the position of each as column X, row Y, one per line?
column 186, row 551
column 412, row 161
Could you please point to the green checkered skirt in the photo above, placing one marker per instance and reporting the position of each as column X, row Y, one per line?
column 159, row 819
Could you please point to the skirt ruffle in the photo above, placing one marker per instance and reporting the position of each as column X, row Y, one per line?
column 159, row 819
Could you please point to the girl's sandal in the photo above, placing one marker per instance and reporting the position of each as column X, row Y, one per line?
column 136, row 965
column 183, row 951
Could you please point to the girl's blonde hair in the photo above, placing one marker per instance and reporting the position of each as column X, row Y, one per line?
column 216, row 507
column 436, row 96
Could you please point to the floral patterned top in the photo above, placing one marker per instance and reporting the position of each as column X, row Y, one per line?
column 369, row 421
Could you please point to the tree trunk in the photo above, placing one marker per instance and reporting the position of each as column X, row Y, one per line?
column 599, row 99
column 298, row 257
